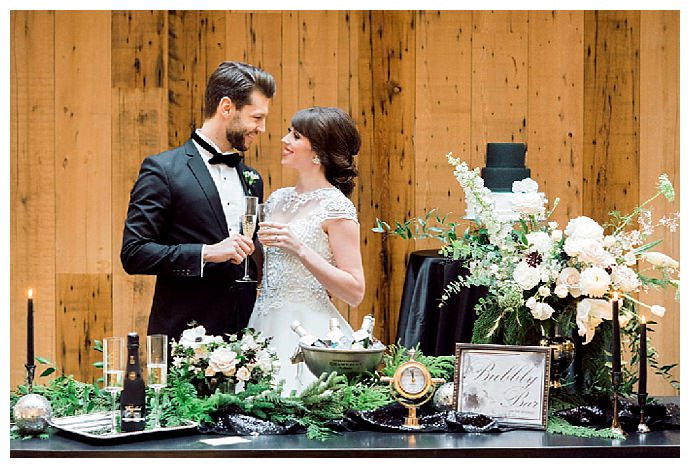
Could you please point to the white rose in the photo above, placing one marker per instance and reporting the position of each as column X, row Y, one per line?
column 526, row 185
column 531, row 302
column 195, row 337
column 625, row 279
column 594, row 282
column 544, row 291
column 223, row 360
column 573, row 247
column 658, row 310
column 526, row 276
column 529, row 203
column 583, row 227
column 248, row 343
column 570, row 277
column 561, row 290
column 556, row 235
column 243, row 374
column 540, row 241
column 542, row 311
column 590, row 313
column 264, row 359
column 660, row 260
column 593, row 252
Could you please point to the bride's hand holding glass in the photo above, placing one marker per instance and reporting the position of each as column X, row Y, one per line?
column 273, row 234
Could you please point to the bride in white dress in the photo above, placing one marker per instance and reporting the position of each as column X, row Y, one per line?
column 311, row 238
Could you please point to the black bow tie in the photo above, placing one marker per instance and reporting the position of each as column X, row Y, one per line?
column 229, row 159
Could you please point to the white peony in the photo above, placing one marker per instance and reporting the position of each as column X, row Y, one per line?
column 590, row 313
column 573, row 246
column 539, row 241
column 658, row 310
column 529, row 203
column 223, row 360
column 561, row 290
column 526, row 276
column 583, row 227
column 594, row 282
column 195, row 337
column 660, row 260
column 625, row 279
column 525, row 186
column 542, row 311
column 570, row 277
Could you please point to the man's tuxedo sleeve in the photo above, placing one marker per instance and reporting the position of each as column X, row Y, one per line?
column 146, row 248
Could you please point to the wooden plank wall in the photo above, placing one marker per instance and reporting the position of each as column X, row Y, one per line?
column 594, row 94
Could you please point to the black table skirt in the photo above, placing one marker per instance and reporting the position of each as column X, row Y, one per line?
column 519, row 443
column 421, row 320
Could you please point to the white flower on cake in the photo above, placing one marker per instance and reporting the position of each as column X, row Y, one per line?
column 529, row 203
column 525, row 186
column 594, row 282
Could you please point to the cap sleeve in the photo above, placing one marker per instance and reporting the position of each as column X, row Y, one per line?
column 340, row 207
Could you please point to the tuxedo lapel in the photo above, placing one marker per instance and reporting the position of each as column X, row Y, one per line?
column 200, row 172
column 243, row 180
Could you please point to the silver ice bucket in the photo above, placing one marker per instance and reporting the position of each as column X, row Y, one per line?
column 342, row 361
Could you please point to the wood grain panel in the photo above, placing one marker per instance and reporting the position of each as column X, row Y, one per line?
column 659, row 154
column 139, row 49
column 318, row 64
column 611, row 109
column 32, row 187
column 82, row 142
column 185, row 101
column 555, row 112
column 499, row 80
column 393, row 71
column 369, row 187
column 81, row 298
column 442, row 111
column 139, row 99
column 246, row 30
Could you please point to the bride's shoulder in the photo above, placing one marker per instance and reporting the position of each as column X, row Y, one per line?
column 280, row 193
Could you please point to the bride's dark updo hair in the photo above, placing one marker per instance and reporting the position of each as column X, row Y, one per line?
column 335, row 140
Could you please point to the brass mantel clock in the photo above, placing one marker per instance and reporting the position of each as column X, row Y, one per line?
column 412, row 386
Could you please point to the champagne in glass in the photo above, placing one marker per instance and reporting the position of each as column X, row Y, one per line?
column 262, row 216
column 157, row 369
column 248, row 223
column 113, row 371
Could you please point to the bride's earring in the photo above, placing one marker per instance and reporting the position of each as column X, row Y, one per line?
column 316, row 160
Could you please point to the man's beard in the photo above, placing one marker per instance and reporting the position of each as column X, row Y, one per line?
column 236, row 139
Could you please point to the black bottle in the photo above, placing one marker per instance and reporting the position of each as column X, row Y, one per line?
column 133, row 398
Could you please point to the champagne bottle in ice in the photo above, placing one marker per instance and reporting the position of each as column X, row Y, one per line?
column 305, row 339
column 335, row 335
column 363, row 338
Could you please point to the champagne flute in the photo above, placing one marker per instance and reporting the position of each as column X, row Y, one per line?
column 248, row 223
column 262, row 216
column 157, row 370
column 113, row 371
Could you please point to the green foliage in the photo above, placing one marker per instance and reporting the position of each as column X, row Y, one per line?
column 558, row 425
column 439, row 366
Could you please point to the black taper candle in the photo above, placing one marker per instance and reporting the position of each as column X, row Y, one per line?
column 642, row 387
column 30, row 330
column 615, row 339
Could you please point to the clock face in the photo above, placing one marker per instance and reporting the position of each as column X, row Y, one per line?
column 413, row 380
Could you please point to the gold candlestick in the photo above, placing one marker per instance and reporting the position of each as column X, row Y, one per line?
column 642, row 427
column 616, row 427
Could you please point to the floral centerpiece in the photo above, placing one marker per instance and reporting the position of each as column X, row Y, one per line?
column 543, row 280
column 228, row 364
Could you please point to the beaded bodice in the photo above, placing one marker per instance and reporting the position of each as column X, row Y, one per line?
column 284, row 273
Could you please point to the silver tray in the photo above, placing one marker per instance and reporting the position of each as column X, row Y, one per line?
column 96, row 427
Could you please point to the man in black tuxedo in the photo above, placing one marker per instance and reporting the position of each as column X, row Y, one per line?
column 183, row 219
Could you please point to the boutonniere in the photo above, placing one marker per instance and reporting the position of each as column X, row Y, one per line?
column 250, row 177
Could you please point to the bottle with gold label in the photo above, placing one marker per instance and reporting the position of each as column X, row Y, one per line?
column 133, row 397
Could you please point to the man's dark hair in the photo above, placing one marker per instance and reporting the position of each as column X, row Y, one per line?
column 237, row 81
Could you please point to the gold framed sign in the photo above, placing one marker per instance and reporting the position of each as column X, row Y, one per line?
column 508, row 383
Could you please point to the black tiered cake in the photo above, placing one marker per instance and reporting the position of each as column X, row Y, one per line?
column 505, row 164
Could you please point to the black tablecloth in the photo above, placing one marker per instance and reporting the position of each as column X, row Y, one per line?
column 421, row 320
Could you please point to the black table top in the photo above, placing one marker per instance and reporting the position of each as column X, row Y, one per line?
column 518, row 443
